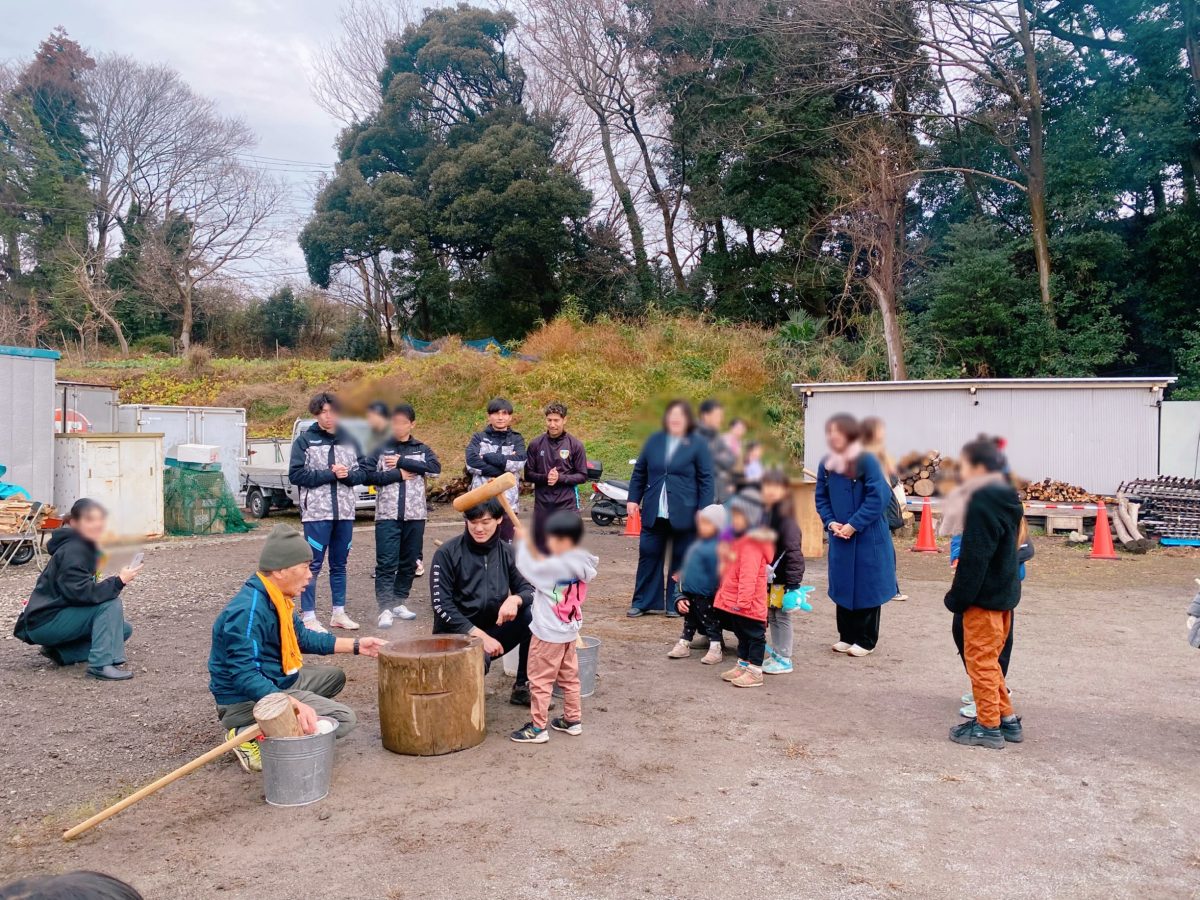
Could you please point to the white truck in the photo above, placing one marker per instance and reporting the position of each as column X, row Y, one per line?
column 265, row 474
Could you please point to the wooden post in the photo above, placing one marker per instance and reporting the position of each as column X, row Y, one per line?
column 277, row 717
column 431, row 695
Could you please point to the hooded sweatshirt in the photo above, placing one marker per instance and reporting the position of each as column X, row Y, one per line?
column 69, row 579
column 468, row 582
column 559, row 589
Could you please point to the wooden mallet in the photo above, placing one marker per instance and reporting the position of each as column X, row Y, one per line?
column 275, row 717
column 494, row 488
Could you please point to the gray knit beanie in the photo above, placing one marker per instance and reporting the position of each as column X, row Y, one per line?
column 285, row 547
column 715, row 515
column 749, row 505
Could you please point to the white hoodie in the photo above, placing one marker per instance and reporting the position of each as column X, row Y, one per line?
column 560, row 587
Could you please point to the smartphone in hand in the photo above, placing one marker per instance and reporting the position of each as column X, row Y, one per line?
column 138, row 559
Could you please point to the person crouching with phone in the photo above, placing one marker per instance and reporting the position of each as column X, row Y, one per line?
column 73, row 613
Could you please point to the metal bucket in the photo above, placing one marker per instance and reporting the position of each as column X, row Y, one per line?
column 297, row 770
column 589, row 659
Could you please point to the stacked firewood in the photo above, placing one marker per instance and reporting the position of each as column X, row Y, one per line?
column 925, row 474
column 1050, row 491
column 446, row 488
column 15, row 510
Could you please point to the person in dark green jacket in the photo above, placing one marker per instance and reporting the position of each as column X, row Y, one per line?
column 986, row 587
column 73, row 613
column 258, row 642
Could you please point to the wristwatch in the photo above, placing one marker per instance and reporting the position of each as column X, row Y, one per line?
column 356, row 646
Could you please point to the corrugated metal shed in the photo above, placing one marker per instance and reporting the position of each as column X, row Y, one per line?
column 27, row 419
column 1093, row 432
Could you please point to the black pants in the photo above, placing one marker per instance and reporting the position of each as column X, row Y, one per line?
column 511, row 634
column 956, row 629
column 701, row 618
column 543, row 508
column 751, row 636
column 653, row 590
column 397, row 549
column 859, row 626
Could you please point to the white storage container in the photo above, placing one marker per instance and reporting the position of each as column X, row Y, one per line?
column 85, row 407
column 203, row 454
column 222, row 427
column 27, row 419
column 122, row 471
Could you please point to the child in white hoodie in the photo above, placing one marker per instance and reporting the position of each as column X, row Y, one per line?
column 560, row 585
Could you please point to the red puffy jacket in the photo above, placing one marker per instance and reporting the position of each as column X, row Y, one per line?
column 743, row 590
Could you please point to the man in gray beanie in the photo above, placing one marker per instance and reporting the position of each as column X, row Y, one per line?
column 258, row 642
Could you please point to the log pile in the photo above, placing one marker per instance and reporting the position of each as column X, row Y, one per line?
column 1050, row 491
column 446, row 489
column 924, row 474
column 15, row 510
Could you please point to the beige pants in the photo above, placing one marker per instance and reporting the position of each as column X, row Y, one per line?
column 550, row 663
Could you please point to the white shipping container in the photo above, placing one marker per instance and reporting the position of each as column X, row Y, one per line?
column 122, row 471
column 27, row 419
column 223, row 427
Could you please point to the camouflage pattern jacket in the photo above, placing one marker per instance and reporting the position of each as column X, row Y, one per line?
column 491, row 453
column 322, row 496
column 395, row 498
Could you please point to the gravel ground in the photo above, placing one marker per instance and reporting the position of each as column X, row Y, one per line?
column 836, row 781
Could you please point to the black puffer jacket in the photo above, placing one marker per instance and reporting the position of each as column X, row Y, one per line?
column 987, row 574
column 69, row 579
column 789, row 570
column 469, row 581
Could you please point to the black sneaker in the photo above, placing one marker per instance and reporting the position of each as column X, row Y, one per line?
column 527, row 734
column 1012, row 731
column 520, row 695
column 973, row 734
column 564, row 724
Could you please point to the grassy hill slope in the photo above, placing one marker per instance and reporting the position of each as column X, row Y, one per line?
column 613, row 376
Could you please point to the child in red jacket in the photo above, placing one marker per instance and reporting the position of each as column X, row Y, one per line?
column 741, row 601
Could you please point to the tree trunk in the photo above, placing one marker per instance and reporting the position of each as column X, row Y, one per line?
column 115, row 325
column 185, row 329
column 1036, row 180
column 660, row 197
column 636, row 235
column 893, row 334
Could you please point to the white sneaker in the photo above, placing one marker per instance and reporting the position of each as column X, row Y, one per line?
column 403, row 612
column 900, row 597
column 385, row 619
column 314, row 625
column 841, row 647
column 339, row 619
column 968, row 711
column 420, row 569
column 968, row 697
column 859, row 651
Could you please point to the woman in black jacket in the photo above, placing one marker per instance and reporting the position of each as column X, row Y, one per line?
column 74, row 614
column 787, row 572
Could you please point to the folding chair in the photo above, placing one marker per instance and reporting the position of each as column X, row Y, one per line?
column 25, row 543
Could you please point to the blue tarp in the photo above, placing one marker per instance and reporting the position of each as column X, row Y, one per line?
column 34, row 352
column 483, row 345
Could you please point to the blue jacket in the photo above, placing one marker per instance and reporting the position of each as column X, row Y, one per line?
column 688, row 476
column 245, row 661
column 862, row 570
column 699, row 576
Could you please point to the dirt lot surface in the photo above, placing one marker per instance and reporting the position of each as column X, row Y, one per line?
column 836, row 781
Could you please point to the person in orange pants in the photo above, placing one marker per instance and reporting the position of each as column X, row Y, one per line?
column 986, row 589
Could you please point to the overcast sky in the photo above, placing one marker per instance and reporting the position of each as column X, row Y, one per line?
column 250, row 56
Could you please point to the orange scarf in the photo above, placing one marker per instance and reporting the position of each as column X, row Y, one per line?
column 289, row 646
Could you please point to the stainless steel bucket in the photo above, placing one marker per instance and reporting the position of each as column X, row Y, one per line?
column 589, row 661
column 298, row 770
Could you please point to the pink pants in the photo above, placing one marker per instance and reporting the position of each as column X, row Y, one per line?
column 549, row 663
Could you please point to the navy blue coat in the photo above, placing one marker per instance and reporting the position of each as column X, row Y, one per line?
column 862, row 570
column 688, row 477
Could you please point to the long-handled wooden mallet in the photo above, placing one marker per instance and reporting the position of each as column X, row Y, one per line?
column 275, row 717
column 496, row 488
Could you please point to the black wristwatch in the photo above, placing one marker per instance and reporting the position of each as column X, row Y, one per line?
column 356, row 646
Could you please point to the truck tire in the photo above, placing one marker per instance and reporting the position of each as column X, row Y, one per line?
column 257, row 503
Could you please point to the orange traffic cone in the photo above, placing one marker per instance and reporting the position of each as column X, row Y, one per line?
column 925, row 540
column 1102, row 542
column 633, row 524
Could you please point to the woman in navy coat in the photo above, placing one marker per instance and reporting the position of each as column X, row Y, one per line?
column 852, row 499
column 673, row 477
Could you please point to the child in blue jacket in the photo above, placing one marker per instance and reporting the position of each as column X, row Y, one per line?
column 698, row 581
